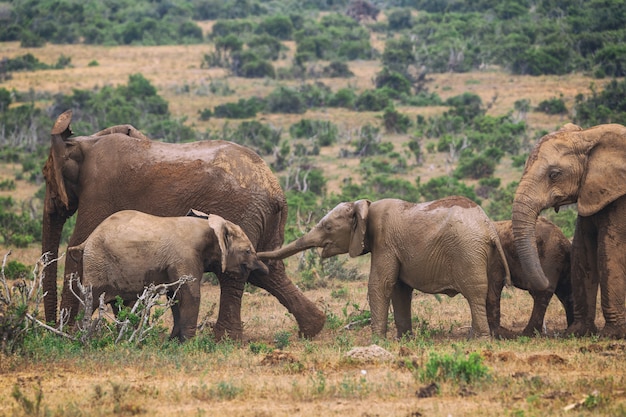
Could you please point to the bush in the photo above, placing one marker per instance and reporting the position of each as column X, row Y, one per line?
column 395, row 122
column 337, row 69
column 256, row 135
column 285, row 100
column 393, row 80
column 457, row 368
column 552, row 106
column 444, row 186
column 475, row 166
column 325, row 132
column 344, row 97
column 373, row 100
column 242, row 109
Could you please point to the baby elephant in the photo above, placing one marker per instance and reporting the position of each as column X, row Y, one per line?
column 554, row 253
column 441, row 247
column 130, row 250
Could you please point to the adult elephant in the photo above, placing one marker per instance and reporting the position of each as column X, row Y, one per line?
column 587, row 167
column 120, row 169
column 444, row 246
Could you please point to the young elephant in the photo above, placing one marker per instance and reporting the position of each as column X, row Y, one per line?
column 131, row 249
column 554, row 254
column 440, row 247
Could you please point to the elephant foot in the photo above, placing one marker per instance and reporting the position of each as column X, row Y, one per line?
column 503, row 333
column 580, row 329
column 220, row 332
column 532, row 331
column 311, row 324
column 614, row 331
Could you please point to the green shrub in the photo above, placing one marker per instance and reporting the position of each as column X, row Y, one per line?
column 373, row 100
column 344, row 97
column 552, row 106
column 242, row 109
column 393, row 80
column 395, row 122
column 337, row 69
column 475, row 166
column 285, row 100
column 456, row 368
column 324, row 132
column 444, row 186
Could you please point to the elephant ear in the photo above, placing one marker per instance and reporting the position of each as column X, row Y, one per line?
column 358, row 243
column 605, row 177
column 197, row 213
column 53, row 170
column 570, row 127
column 220, row 228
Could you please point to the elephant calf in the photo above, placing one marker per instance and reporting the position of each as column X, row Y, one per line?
column 441, row 247
column 130, row 250
column 554, row 254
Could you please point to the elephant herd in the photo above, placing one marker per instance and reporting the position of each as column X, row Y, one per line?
column 140, row 218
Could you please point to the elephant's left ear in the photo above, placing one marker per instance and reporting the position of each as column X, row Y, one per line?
column 220, row 228
column 197, row 213
column 358, row 243
column 605, row 177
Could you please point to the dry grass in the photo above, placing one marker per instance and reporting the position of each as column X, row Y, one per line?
column 528, row 377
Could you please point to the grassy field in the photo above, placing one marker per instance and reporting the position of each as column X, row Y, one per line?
column 548, row 375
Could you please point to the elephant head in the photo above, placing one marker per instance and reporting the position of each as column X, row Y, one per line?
column 341, row 230
column 568, row 166
column 238, row 254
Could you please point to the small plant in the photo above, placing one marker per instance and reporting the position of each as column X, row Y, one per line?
column 31, row 407
column 281, row 339
column 457, row 367
column 260, row 347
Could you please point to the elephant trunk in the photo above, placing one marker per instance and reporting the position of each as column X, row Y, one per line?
column 303, row 243
column 51, row 238
column 525, row 214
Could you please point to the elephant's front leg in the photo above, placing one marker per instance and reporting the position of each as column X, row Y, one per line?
column 584, row 277
column 185, row 312
column 401, row 297
column 612, row 271
column 383, row 277
column 309, row 317
column 541, row 299
column 229, row 316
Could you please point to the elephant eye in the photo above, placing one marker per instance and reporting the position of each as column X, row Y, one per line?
column 554, row 175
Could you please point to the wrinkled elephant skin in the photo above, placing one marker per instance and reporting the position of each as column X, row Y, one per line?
column 130, row 250
column 440, row 247
column 583, row 166
column 554, row 252
column 120, row 169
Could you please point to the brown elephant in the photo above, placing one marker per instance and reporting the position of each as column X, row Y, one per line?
column 440, row 247
column 554, row 254
column 130, row 250
column 120, row 169
column 587, row 167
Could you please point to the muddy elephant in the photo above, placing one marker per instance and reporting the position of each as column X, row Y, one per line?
column 120, row 169
column 554, row 255
column 130, row 250
column 584, row 166
column 440, row 247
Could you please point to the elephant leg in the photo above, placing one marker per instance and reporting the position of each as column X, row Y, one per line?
column 476, row 295
column 584, row 276
column 612, row 271
column 188, row 311
column 69, row 302
column 229, row 316
column 563, row 292
column 309, row 317
column 541, row 299
column 176, row 333
column 384, row 269
column 401, row 297
column 496, row 284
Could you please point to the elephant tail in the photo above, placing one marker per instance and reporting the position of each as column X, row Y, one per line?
column 76, row 252
column 496, row 241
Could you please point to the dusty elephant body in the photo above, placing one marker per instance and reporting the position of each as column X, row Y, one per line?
column 441, row 247
column 130, row 250
column 586, row 167
column 120, row 169
column 554, row 254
